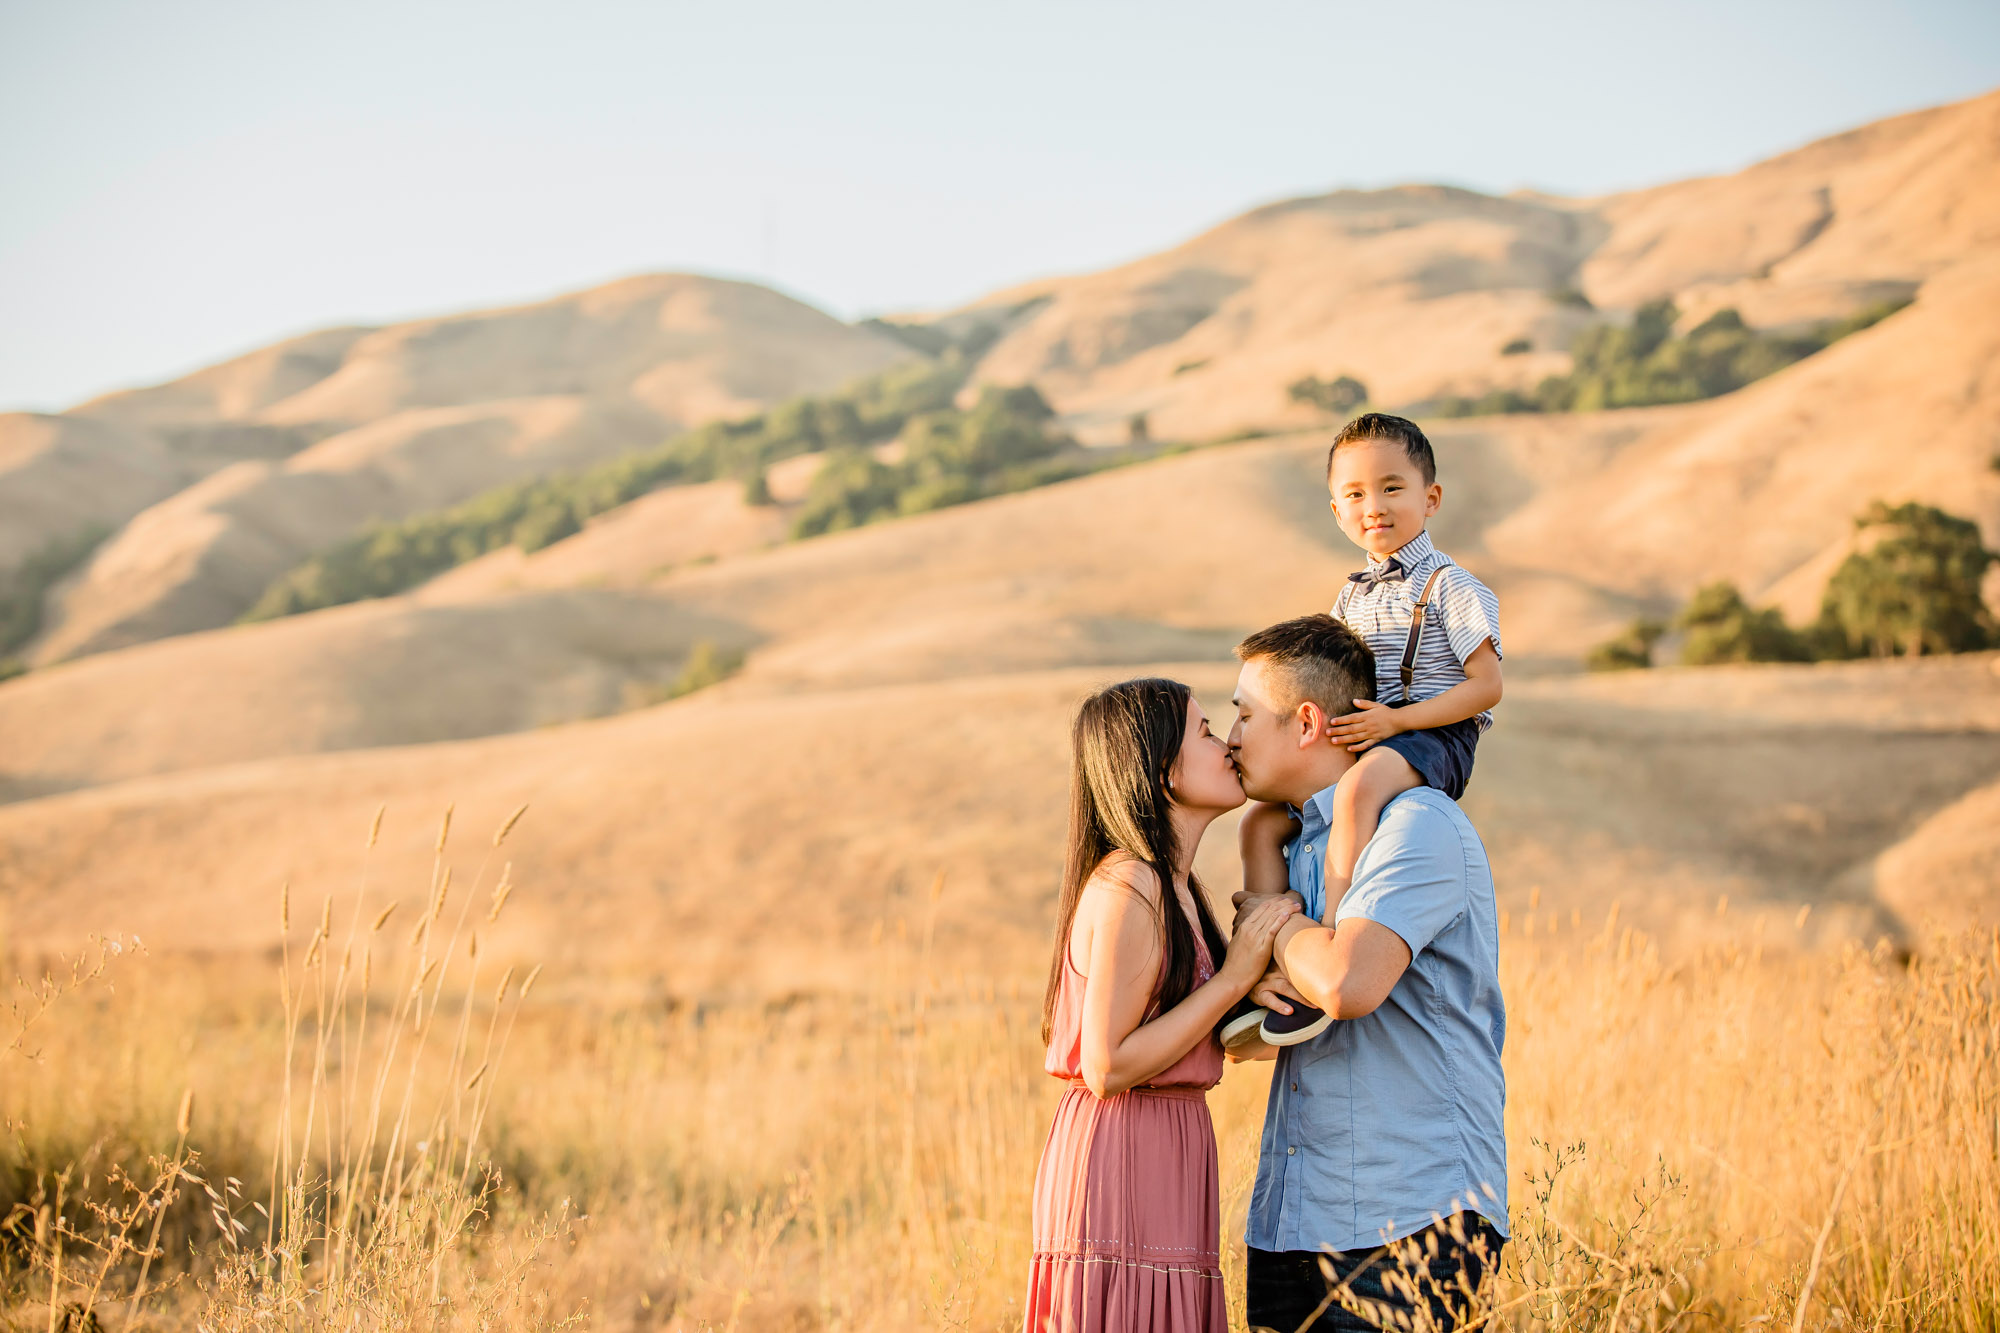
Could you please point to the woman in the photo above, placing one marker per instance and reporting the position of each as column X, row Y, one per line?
column 1126, row 1205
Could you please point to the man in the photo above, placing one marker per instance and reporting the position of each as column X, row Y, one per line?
column 1386, row 1127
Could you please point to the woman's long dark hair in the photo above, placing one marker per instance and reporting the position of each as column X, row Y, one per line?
column 1122, row 750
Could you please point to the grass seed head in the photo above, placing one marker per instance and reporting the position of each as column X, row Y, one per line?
column 375, row 825
column 508, row 827
column 444, row 829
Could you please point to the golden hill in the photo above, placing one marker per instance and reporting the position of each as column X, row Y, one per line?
column 903, row 706
column 903, row 713
column 739, row 841
column 293, row 448
column 1415, row 290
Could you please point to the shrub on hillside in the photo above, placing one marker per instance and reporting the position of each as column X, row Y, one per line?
column 1630, row 649
column 1642, row 364
column 1000, row 444
column 1337, row 396
column 1914, row 590
column 387, row 558
column 23, row 589
column 1722, row 627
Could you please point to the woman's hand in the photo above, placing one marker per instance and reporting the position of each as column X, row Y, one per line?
column 1250, row 946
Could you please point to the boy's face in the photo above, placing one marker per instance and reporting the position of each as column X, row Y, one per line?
column 1379, row 496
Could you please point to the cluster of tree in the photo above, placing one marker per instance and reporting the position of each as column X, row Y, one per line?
column 1005, row 442
column 1336, row 397
column 388, row 558
column 707, row 664
column 1644, row 363
column 1912, row 589
column 23, row 589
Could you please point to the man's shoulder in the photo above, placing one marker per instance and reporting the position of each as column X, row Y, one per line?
column 1424, row 817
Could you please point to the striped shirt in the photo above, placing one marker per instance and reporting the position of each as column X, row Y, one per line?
column 1464, row 613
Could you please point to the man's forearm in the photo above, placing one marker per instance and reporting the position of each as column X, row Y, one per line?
column 1347, row 970
column 1305, row 948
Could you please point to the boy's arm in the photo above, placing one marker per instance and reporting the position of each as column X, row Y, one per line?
column 1373, row 722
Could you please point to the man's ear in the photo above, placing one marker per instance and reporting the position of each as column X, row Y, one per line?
column 1311, row 722
column 1433, row 497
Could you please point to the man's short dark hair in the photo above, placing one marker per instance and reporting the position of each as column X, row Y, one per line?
column 1320, row 658
column 1382, row 426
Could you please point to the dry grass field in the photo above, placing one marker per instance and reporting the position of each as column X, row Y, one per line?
column 388, row 1126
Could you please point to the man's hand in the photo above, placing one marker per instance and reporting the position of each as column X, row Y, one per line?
column 1246, row 900
column 1362, row 729
column 1275, row 993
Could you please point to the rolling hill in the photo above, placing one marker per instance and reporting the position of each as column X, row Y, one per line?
column 337, row 429
column 903, row 705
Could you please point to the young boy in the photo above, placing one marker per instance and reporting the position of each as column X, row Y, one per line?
column 1435, row 631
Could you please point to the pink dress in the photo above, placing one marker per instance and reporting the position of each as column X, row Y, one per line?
column 1127, row 1213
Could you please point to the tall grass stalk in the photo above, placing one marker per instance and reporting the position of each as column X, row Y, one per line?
column 1744, row 1138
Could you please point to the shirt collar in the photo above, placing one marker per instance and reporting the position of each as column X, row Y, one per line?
column 1318, row 809
column 1410, row 554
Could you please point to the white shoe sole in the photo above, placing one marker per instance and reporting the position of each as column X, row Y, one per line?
column 1243, row 1029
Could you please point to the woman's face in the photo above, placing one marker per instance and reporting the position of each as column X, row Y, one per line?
column 1204, row 777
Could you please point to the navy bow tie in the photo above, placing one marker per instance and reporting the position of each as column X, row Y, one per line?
column 1389, row 571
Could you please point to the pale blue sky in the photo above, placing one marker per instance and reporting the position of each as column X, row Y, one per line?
column 183, row 181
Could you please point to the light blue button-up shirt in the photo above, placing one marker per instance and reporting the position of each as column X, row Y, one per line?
column 1380, row 1124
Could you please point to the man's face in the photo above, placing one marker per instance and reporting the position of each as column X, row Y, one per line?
column 1379, row 496
column 1265, row 740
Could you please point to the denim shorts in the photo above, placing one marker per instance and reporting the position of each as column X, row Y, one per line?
column 1442, row 756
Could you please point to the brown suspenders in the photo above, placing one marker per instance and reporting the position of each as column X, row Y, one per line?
column 1417, row 618
column 1411, row 644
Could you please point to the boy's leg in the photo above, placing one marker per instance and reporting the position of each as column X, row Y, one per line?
column 1380, row 777
column 1262, row 836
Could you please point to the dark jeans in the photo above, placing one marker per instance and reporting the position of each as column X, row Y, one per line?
column 1286, row 1289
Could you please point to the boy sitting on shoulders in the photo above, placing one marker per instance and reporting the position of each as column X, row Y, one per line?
column 1435, row 632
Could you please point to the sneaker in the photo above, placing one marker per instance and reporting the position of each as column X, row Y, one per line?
column 1240, row 1025
column 1302, row 1024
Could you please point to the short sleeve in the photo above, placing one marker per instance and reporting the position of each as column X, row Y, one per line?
column 1469, row 611
column 1411, row 875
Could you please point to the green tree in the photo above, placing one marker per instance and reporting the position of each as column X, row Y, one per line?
column 1643, row 363
column 706, row 665
column 1631, row 649
column 1914, row 589
column 23, row 589
column 1722, row 627
column 853, row 487
column 1337, row 396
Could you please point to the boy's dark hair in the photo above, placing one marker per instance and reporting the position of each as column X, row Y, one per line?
column 1382, row 426
column 1321, row 660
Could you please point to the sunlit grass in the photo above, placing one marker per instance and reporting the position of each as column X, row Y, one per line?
column 397, row 1135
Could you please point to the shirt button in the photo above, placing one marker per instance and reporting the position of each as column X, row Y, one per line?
column 1295, row 1087
column 1309, row 846
column 1290, row 1151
